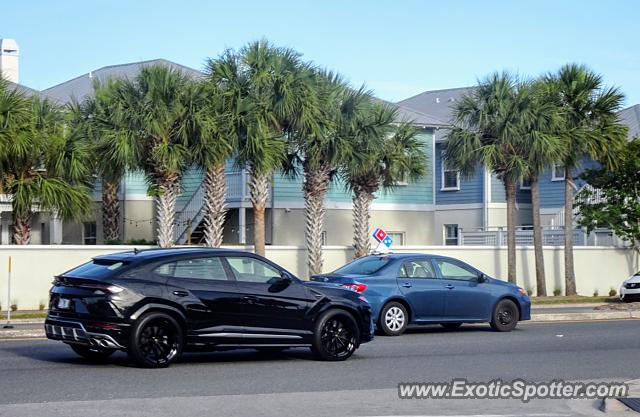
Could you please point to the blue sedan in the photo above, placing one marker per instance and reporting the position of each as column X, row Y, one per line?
column 415, row 288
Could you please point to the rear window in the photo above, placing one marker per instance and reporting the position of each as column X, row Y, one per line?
column 364, row 266
column 97, row 268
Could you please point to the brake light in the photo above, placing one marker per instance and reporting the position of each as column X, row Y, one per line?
column 356, row 286
column 106, row 288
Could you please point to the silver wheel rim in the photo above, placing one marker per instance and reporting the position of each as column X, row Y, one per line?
column 394, row 319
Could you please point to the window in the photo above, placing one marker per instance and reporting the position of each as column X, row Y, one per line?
column 248, row 269
column 456, row 270
column 558, row 173
column 451, row 234
column 417, row 269
column 366, row 265
column 209, row 268
column 98, row 268
column 525, row 184
column 398, row 238
column 450, row 178
column 323, row 238
column 89, row 233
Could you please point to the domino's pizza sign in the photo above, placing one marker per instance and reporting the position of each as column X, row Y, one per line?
column 384, row 240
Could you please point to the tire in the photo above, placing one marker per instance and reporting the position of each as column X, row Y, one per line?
column 505, row 316
column 336, row 336
column 156, row 341
column 92, row 354
column 451, row 326
column 394, row 319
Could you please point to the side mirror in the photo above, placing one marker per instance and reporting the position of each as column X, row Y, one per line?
column 481, row 278
column 284, row 276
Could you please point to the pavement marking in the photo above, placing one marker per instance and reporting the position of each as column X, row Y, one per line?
column 482, row 415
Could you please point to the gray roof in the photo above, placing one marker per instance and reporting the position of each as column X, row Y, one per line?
column 436, row 103
column 82, row 86
column 631, row 117
column 28, row 90
column 405, row 114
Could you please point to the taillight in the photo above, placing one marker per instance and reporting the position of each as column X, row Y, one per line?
column 356, row 286
column 106, row 288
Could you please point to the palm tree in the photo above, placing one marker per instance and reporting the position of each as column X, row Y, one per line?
column 260, row 97
column 487, row 124
column 383, row 155
column 42, row 164
column 160, row 113
column 542, row 148
column 211, row 147
column 115, row 151
column 590, row 128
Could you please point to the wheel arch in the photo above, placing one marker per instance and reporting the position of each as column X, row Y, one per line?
column 154, row 307
column 399, row 300
column 510, row 298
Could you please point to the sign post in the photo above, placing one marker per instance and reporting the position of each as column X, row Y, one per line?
column 8, row 325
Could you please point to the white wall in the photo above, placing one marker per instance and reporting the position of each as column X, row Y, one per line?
column 596, row 267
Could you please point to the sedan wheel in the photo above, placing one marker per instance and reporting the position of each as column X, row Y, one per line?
column 505, row 316
column 336, row 336
column 156, row 341
column 393, row 319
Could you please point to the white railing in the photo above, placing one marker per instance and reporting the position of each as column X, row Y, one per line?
column 596, row 197
column 551, row 236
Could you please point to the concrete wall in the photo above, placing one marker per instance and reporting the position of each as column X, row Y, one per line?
column 465, row 219
column 596, row 267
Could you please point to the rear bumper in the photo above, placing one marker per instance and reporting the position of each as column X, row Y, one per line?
column 87, row 334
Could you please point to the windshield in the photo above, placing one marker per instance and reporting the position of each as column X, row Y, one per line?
column 364, row 266
column 97, row 268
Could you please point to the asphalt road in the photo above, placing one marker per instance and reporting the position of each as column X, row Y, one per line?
column 46, row 378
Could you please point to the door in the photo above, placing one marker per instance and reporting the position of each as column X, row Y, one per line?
column 202, row 286
column 420, row 285
column 466, row 298
column 271, row 305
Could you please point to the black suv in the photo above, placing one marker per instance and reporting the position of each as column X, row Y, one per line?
column 155, row 304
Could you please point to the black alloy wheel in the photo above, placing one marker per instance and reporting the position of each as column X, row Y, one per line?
column 156, row 341
column 505, row 316
column 336, row 336
column 91, row 354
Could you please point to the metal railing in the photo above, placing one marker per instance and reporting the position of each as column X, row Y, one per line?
column 551, row 236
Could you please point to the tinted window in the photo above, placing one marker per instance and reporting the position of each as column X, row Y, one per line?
column 364, row 266
column 248, row 269
column 456, row 270
column 197, row 268
column 97, row 268
column 417, row 269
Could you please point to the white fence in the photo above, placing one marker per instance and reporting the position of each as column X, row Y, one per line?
column 597, row 268
column 551, row 236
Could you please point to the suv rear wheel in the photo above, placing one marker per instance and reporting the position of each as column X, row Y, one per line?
column 336, row 336
column 156, row 340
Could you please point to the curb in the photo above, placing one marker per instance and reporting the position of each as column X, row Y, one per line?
column 600, row 315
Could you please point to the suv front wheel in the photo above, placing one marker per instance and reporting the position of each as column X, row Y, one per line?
column 336, row 336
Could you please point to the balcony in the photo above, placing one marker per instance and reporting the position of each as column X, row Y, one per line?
column 551, row 236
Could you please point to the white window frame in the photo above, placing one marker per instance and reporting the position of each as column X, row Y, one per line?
column 443, row 169
column 524, row 187
column 445, row 237
column 402, row 237
column 553, row 172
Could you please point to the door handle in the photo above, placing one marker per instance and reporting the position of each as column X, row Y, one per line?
column 180, row 293
column 250, row 299
column 449, row 286
column 407, row 285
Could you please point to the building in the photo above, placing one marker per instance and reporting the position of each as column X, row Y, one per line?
column 441, row 208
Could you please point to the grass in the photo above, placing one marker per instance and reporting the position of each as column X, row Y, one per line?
column 576, row 299
column 24, row 315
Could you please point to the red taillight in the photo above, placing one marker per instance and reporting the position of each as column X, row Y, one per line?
column 106, row 288
column 356, row 286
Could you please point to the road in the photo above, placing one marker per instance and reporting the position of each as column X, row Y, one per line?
column 46, row 378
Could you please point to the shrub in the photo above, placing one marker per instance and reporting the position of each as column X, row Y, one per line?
column 612, row 292
column 14, row 306
column 557, row 292
column 42, row 305
column 595, row 292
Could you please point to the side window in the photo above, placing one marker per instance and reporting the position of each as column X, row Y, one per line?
column 248, row 269
column 417, row 269
column 455, row 270
column 209, row 268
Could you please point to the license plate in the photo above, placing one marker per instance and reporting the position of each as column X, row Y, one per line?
column 64, row 303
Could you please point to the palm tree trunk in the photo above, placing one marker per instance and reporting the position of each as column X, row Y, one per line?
column 361, row 216
column 511, row 230
column 541, row 282
column 569, row 273
column 215, row 190
column 110, row 211
column 259, row 190
column 315, row 190
column 166, row 211
column 21, row 229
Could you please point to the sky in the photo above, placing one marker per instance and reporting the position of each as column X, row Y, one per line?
column 396, row 48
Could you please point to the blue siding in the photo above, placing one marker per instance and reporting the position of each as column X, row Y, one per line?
column 552, row 192
column 471, row 189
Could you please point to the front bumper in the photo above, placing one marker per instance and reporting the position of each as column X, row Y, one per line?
column 525, row 308
column 87, row 334
column 629, row 292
